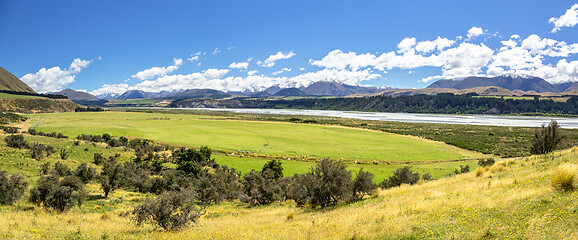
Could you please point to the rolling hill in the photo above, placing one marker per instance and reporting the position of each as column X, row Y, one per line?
column 510, row 82
column 77, row 95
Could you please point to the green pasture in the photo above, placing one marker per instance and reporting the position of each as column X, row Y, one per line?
column 379, row 171
column 302, row 141
column 8, row 95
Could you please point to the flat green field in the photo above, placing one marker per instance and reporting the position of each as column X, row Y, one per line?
column 271, row 138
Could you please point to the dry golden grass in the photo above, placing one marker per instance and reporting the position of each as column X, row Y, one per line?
column 564, row 177
column 512, row 199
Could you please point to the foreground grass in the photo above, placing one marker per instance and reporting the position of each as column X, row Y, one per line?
column 290, row 140
column 8, row 95
column 511, row 200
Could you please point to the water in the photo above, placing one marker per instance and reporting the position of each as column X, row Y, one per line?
column 489, row 120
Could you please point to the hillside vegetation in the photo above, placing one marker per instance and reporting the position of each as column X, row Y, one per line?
column 10, row 82
column 37, row 105
column 512, row 199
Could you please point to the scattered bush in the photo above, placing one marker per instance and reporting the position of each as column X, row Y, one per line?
column 111, row 177
column 275, row 167
column 547, row 138
column 85, row 173
column 327, row 184
column 463, row 169
column 8, row 129
column 486, row 162
column 16, row 141
column 98, row 159
column 427, row 177
column 259, row 188
column 63, row 154
column 363, row 185
column 171, row 211
column 11, row 188
column 564, row 177
column 61, row 170
column 402, row 175
column 56, row 194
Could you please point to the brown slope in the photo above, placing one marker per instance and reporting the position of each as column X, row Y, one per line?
column 11, row 83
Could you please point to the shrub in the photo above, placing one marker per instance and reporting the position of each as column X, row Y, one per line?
column 16, row 141
column 11, row 187
column 98, row 159
column 171, row 211
column 564, row 177
column 427, row 177
column 480, row 171
column 259, row 188
column 63, row 154
column 85, row 173
column 275, row 167
column 400, row 176
column 111, row 177
column 57, row 195
column 486, row 162
column 463, row 169
column 223, row 184
column 61, row 170
column 363, row 185
column 327, row 184
column 547, row 138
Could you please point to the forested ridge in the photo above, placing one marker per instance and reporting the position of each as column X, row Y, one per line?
column 446, row 103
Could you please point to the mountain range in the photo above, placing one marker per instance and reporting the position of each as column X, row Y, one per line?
column 510, row 82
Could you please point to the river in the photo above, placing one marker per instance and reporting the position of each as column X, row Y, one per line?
column 490, row 120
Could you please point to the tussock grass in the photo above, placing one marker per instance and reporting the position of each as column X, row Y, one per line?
column 515, row 202
column 564, row 177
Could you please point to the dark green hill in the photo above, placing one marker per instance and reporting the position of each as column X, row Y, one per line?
column 10, row 82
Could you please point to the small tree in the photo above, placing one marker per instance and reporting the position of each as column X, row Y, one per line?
column 56, row 194
column 85, row 173
column 275, row 167
column 171, row 211
column 63, row 154
column 11, row 188
column 16, row 141
column 111, row 177
column 547, row 138
column 327, row 184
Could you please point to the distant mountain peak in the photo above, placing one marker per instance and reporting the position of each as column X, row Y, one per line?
column 509, row 81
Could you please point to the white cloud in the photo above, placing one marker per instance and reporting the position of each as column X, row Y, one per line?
column 569, row 19
column 214, row 73
column 568, row 68
column 54, row 79
column 216, row 51
column 474, row 32
column 111, row 88
column 466, row 59
column 406, row 44
column 241, row 65
column 439, row 44
column 340, row 60
column 252, row 72
column 270, row 61
column 158, row 71
column 193, row 58
column 281, row 71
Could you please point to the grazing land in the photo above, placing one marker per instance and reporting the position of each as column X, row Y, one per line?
column 8, row 95
column 286, row 140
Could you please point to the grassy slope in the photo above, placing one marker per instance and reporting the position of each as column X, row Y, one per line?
column 513, row 199
column 271, row 138
column 7, row 95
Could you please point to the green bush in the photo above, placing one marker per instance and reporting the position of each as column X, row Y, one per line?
column 275, row 167
column 112, row 176
column 16, row 141
column 58, row 195
column 363, row 185
column 402, row 175
column 260, row 188
column 171, row 211
column 85, row 173
column 11, row 188
column 547, row 138
column 486, row 162
column 327, row 184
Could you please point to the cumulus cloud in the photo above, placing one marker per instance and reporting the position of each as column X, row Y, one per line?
column 54, row 79
column 282, row 71
column 158, row 71
column 474, row 32
column 568, row 68
column 252, row 72
column 569, row 19
column 340, row 60
column 241, row 65
column 406, row 44
column 111, row 88
column 270, row 61
column 439, row 44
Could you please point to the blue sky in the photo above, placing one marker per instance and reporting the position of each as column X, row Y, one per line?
column 113, row 46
